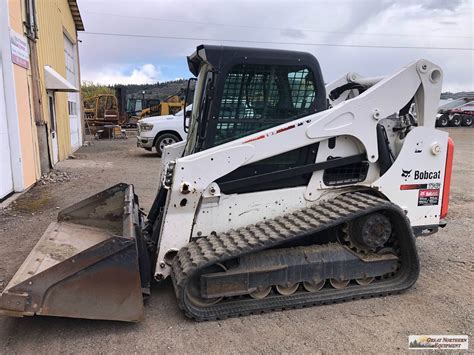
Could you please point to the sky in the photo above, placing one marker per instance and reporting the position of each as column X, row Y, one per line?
column 283, row 24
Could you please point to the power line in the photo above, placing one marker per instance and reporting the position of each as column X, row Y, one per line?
column 273, row 42
column 273, row 28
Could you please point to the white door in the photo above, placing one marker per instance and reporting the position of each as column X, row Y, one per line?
column 6, row 177
column 52, row 127
column 73, row 97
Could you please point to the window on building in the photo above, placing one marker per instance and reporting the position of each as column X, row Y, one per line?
column 72, row 106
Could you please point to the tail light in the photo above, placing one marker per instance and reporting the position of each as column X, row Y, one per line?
column 447, row 178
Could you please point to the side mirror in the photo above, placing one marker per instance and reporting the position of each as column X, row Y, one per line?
column 187, row 114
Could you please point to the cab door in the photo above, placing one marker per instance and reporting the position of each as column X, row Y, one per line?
column 257, row 97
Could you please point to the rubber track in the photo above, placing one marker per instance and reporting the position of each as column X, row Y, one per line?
column 206, row 251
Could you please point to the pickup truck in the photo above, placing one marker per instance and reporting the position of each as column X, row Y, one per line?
column 159, row 131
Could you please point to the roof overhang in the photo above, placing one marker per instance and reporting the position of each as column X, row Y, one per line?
column 76, row 15
column 55, row 82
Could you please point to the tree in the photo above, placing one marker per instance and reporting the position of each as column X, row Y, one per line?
column 89, row 89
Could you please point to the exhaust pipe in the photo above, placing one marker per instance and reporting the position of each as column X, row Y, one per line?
column 86, row 265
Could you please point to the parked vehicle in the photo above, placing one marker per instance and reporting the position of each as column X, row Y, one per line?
column 465, row 113
column 455, row 113
column 159, row 131
column 101, row 109
column 168, row 106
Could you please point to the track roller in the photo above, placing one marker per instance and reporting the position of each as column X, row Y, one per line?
column 339, row 284
column 261, row 293
column 313, row 286
column 287, row 290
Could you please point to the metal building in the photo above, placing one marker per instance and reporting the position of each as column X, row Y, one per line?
column 40, row 111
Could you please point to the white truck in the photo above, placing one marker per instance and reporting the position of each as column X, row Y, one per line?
column 160, row 131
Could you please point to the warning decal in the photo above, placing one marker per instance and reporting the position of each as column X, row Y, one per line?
column 428, row 197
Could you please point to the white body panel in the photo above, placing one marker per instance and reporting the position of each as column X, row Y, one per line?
column 345, row 146
column 172, row 152
column 201, row 207
column 417, row 155
column 221, row 213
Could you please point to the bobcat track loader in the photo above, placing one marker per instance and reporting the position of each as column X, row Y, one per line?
column 287, row 194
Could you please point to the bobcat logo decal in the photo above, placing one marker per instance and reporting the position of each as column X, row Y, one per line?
column 406, row 173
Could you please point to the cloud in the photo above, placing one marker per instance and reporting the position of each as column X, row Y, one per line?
column 404, row 23
column 145, row 74
column 450, row 5
column 447, row 22
column 293, row 33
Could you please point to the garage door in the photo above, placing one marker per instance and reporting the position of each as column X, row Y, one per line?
column 6, row 178
column 73, row 98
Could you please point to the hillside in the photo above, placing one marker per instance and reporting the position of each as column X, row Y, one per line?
column 457, row 95
column 167, row 88
column 160, row 90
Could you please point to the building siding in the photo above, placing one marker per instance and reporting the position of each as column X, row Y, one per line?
column 24, row 109
column 54, row 19
column 27, row 128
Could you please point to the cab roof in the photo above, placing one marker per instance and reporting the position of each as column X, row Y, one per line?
column 218, row 56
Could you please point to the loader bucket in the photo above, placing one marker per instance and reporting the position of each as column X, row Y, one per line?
column 86, row 265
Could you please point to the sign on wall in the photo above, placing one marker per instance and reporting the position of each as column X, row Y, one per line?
column 19, row 48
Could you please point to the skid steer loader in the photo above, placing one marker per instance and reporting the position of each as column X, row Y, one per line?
column 287, row 193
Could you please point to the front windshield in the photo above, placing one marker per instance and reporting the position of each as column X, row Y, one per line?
column 199, row 97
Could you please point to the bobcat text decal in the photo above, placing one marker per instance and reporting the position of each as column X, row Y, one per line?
column 427, row 175
column 421, row 175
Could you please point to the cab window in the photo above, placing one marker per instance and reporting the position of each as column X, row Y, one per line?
column 257, row 97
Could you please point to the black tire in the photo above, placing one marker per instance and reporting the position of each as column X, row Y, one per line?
column 456, row 120
column 467, row 120
column 163, row 140
column 443, row 121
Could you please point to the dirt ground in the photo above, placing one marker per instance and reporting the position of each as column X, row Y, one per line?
column 441, row 302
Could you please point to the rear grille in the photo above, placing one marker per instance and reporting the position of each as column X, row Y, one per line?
column 346, row 174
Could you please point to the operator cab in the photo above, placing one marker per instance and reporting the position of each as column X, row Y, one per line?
column 241, row 91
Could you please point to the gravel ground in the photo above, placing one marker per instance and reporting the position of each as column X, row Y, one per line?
column 441, row 302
